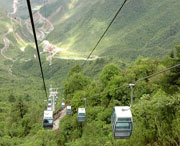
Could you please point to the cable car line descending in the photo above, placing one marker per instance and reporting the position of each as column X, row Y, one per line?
column 36, row 43
column 105, row 31
column 49, row 121
column 121, row 117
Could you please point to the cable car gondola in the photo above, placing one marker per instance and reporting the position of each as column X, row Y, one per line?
column 121, row 119
column 68, row 110
column 55, row 101
column 48, row 120
column 81, row 115
column 63, row 105
column 49, row 108
column 49, row 101
column 122, row 122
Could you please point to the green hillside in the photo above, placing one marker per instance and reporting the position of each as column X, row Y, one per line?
column 155, row 112
column 144, row 28
column 142, row 41
column 4, row 24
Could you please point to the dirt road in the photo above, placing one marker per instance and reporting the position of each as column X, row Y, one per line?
column 56, row 122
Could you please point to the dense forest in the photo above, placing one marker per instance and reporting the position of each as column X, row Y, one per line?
column 156, row 112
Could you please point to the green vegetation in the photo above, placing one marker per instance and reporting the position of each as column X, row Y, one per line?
column 143, row 32
column 156, row 109
column 145, row 28
column 4, row 26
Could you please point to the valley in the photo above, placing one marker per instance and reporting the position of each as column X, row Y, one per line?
column 44, row 26
column 61, row 18
column 142, row 41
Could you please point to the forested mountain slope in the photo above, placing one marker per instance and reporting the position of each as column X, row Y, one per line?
column 143, row 40
column 146, row 28
column 155, row 112
column 143, row 28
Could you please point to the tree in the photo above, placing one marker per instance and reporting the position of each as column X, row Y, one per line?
column 45, row 138
column 153, row 116
column 108, row 73
column 172, row 79
column 19, row 109
column 75, row 82
column 75, row 69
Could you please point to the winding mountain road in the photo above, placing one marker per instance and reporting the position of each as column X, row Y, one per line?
column 5, row 39
column 46, row 27
column 6, row 46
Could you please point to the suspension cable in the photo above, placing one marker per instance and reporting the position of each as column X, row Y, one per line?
column 154, row 74
column 105, row 31
column 127, row 84
column 36, row 43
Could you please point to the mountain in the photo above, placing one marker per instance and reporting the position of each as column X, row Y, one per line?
column 138, row 44
column 143, row 28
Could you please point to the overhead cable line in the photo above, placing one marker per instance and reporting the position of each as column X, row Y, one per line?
column 36, row 43
column 127, row 84
column 105, row 31
column 156, row 73
column 132, row 83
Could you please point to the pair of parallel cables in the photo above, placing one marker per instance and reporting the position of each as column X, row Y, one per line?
column 111, row 22
column 36, row 42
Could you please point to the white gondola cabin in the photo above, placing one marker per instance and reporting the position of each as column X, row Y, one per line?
column 48, row 120
column 50, row 97
column 55, row 101
column 81, row 115
column 68, row 110
column 49, row 101
column 49, row 104
column 62, row 105
column 122, row 122
column 49, row 108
